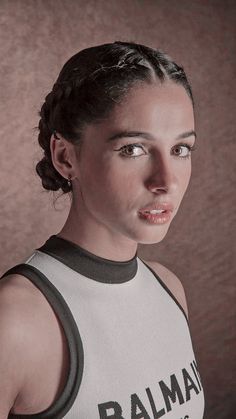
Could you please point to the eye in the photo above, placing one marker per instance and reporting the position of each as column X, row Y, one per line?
column 183, row 150
column 128, row 150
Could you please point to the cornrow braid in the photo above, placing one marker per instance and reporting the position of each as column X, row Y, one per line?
column 51, row 178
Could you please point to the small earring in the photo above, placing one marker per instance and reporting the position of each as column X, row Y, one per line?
column 55, row 135
column 69, row 181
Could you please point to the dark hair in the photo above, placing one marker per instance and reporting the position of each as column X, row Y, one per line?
column 89, row 85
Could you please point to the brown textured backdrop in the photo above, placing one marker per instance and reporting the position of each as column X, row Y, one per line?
column 37, row 37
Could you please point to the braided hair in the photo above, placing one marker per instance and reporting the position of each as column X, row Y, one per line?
column 90, row 83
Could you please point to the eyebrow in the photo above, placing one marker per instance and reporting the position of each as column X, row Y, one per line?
column 146, row 135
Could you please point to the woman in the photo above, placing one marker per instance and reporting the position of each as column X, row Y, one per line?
column 105, row 334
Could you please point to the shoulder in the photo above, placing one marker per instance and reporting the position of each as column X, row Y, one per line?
column 15, row 292
column 23, row 307
column 172, row 282
column 20, row 310
column 18, row 297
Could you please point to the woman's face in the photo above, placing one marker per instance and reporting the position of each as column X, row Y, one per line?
column 117, row 178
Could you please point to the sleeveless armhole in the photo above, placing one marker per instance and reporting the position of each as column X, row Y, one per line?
column 66, row 399
column 168, row 291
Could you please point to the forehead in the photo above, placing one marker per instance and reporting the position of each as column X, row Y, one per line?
column 161, row 109
column 160, row 104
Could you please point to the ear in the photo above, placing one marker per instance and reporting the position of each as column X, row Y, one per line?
column 63, row 155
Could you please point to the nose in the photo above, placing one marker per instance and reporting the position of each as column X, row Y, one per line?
column 163, row 177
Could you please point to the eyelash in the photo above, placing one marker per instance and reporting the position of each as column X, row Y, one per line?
column 124, row 148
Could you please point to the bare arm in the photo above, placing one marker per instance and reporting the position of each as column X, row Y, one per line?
column 33, row 346
column 13, row 344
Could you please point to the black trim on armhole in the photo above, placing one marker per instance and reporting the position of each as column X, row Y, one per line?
column 62, row 405
column 168, row 290
column 181, row 308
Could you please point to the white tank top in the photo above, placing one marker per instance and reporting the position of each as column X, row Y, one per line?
column 131, row 354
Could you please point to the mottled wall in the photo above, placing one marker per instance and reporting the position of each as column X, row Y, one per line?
column 37, row 37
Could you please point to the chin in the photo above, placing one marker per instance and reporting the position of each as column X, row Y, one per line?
column 153, row 240
column 152, row 235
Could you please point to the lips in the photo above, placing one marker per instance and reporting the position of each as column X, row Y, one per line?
column 165, row 206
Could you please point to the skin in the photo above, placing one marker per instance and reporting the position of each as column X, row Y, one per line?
column 109, row 189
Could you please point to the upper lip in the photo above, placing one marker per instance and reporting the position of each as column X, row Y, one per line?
column 167, row 206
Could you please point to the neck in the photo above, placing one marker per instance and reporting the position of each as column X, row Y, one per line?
column 96, row 238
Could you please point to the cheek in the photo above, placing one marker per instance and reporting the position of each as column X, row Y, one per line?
column 106, row 185
column 185, row 177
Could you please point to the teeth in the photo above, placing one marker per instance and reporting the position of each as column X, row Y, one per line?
column 155, row 211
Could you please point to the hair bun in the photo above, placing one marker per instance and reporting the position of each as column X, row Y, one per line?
column 51, row 179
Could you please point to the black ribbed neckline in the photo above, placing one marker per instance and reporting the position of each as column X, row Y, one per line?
column 88, row 264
